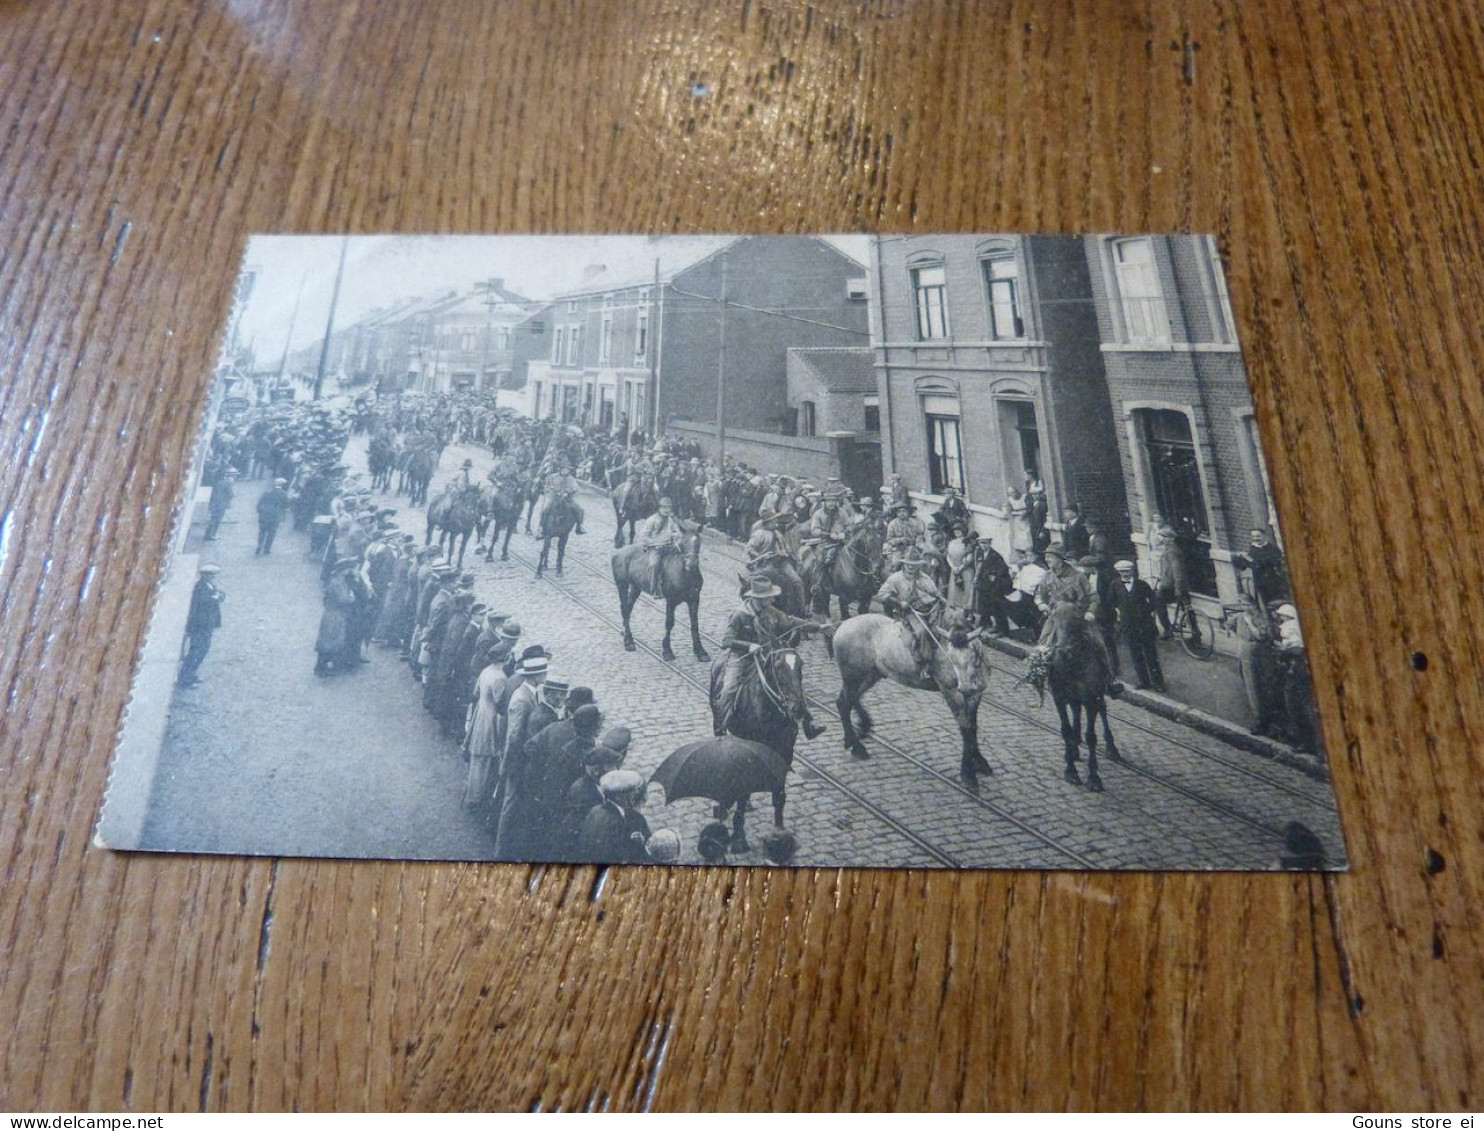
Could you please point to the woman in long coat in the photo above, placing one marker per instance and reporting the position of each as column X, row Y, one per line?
column 483, row 740
column 1017, row 509
column 334, row 637
column 961, row 568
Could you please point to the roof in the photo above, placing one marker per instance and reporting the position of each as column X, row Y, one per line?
column 842, row 369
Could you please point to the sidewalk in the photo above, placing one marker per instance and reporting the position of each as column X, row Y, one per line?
column 265, row 758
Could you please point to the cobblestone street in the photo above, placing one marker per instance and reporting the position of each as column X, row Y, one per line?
column 353, row 766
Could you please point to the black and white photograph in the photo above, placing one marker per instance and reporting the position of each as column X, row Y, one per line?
column 898, row 551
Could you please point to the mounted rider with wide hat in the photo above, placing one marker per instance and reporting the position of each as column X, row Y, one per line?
column 660, row 535
column 826, row 533
column 560, row 490
column 912, row 596
column 759, row 625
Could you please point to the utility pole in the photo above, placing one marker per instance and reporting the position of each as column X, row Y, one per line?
column 721, row 372
column 324, row 353
column 287, row 342
column 653, row 343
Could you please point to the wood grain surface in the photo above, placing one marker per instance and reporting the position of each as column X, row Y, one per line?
column 1335, row 147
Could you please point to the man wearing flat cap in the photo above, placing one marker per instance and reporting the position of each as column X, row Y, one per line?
column 273, row 504
column 615, row 832
column 204, row 619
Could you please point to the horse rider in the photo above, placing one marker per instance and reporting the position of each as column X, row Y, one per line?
column 759, row 625
column 904, row 531
column 768, row 543
column 826, row 533
column 659, row 535
column 464, row 470
column 912, row 597
column 1065, row 584
column 561, row 490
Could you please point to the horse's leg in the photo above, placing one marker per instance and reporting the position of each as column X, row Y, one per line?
column 463, row 545
column 1112, row 747
column 428, row 537
column 665, row 650
column 1094, row 782
column 627, row 595
column 969, row 761
column 505, row 545
column 847, row 701
column 739, row 830
column 971, row 711
column 1069, row 743
column 844, row 606
column 562, row 551
column 864, row 724
column 617, row 529
column 780, row 798
column 693, row 602
column 541, row 561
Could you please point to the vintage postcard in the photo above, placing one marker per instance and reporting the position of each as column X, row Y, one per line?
column 922, row 551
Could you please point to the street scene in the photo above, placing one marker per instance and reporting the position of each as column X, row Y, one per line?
column 940, row 552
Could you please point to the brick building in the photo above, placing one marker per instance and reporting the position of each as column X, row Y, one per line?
column 1186, row 428
column 646, row 349
column 988, row 366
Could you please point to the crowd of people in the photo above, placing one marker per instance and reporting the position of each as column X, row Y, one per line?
column 545, row 774
column 543, row 770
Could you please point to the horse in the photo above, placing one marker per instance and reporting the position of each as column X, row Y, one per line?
column 634, row 500
column 871, row 647
column 417, row 474
column 381, row 453
column 558, row 520
column 855, row 574
column 680, row 583
column 770, row 708
column 1079, row 680
column 453, row 513
column 501, row 503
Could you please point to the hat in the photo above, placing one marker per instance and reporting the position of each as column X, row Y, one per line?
column 667, row 501
column 533, row 665
column 555, row 685
column 617, row 739
column 1123, row 564
column 280, row 483
column 761, row 587
column 1055, row 551
column 663, row 846
column 1091, row 560
column 1287, row 611
column 533, row 651
column 208, row 570
column 510, row 629
column 466, row 581
column 495, row 617
column 601, row 754
column 587, row 719
column 913, row 557
column 467, row 463
column 902, row 507
column 580, row 695
column 713, row 843
column 620, row 781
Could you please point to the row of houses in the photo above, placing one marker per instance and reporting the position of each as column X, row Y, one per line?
column 1104, row 368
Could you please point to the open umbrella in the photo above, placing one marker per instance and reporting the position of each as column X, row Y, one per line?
column 725, row 770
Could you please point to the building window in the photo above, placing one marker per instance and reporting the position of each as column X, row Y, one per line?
column 855, row 290
column 1218, row 302
column 535, row 400
column 1020, row 441
column 930, row 294
column 873, row 414
column 1175, row 483
column 806, row 418
column 641, row 335
column 502, row 338
column 944, row 444
column 1002, row 286
column 605, row 342
column 558, row 344
column 1142, row 301
column 572, row 306
column 574, row 339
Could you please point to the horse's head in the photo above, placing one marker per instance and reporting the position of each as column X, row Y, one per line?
column 783, row 673
column 963, row 652
column 690, row 548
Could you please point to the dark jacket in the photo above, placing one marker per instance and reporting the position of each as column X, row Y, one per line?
column 206, row 610
column 605, row 836
column 272, row 504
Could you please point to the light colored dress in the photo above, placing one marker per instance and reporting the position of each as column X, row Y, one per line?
column 483, row 742
column 960, row 573
column 1020, row 523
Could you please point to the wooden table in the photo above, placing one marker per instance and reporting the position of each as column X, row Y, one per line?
column 1336, row 149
